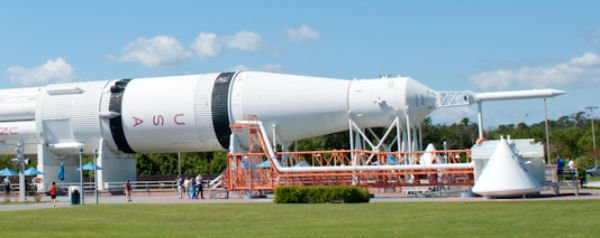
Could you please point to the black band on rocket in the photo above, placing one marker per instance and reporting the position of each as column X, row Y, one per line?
column 116, row 123
column 220, row 108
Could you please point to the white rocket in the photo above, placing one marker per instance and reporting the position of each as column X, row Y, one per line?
column 192, row 113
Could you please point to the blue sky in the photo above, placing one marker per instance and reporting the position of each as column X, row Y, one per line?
column 446, row 45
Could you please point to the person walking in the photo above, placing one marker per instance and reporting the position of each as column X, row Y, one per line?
column 53, row 192
column 128, row 190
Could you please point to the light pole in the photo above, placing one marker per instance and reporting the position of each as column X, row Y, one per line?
column 179, row 163
column 96, row 176
column 591, row 108
column 547, row 132
column 81, row 174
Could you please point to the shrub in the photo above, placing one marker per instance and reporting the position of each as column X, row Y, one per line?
column 581, row 175
column 321, row 194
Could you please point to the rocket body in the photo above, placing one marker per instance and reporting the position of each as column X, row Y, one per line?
column 193, row 112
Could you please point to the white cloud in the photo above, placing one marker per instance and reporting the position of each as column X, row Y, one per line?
column 53, row 71
column 273, row 67
column 244, row 40
column 302, row 33
column 584, row 69
column 207, row 45
column 160, row 50
column 238, row 68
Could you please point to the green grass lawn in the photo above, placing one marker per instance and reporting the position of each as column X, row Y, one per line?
column 403, row 219
column 595, row 178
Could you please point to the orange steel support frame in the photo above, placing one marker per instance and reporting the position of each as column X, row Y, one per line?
column 253, row 170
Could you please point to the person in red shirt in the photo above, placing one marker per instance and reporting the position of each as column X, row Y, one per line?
column 53, row 194
column 128, row 190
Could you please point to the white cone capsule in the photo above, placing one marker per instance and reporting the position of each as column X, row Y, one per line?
column 503, row 176
column 429, row 157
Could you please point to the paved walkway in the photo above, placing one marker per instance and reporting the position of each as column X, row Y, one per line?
column 595, row 184
column 162, row 198
column 140, row 198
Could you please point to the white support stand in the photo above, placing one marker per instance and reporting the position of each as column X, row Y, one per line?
column 50, row 165
column 480, row 120
column 398, row 134
column 96, row 176
column 415, row 140
column 284, row 157
column 233, row 144
column 116, row 167
column 408, row 136
column 419, row 127
column 352, row 149
column 21, row 164
column 406, row 141
column 351, row 137
column 274, row 128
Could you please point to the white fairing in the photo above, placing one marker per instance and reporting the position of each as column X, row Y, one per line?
column 169, row 114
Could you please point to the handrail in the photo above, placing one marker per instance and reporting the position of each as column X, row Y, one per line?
column 271, row 155
column 216, row 181
column 261, row 168
column 142, row 185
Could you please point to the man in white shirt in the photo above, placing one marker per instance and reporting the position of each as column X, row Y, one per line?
column 571, row 164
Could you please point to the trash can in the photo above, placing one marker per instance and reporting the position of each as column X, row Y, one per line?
column 75, row 197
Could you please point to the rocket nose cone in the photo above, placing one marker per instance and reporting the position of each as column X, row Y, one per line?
column 556, row 92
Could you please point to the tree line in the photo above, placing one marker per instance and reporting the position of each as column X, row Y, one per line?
column 570, row 136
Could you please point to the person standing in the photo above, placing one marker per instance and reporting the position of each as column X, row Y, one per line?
column 53, row 193
column 193, row 188
column 180, row 186
column 560, row 164
column 7, row 186
column 128, row 190
column 200, row 187
column 571, row 164
column 186, row 186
